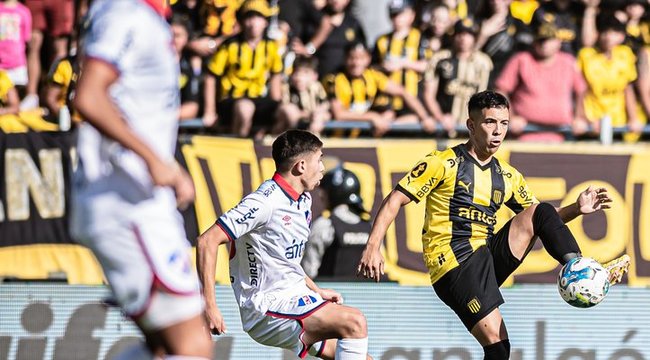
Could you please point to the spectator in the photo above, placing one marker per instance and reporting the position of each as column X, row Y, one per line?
column 568, row 17
column 304, row 101
column 60, row 89
column 609, row 70
column 337, row 30
column 339, row 235
column 534, row 79
column 12, row 120
column 302, row 17
column 643, row 87
column 634, row 13
column 501, row 35
column 217, row 21
column 352, row 94
column 54, row 18
column 401, row 54
column 455, row 75
column 248, row 71
column 437, row 30
column 15, row 32
column 189, row 77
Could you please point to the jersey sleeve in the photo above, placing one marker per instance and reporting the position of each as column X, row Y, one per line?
column 522, row 197
column 251, row 213
column 423, row 178
column 107, row 42
column 61, row 73
column 217, row 63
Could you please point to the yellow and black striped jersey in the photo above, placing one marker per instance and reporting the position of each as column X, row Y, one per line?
column 607, row 78
column 244, row 71
column 5, row 85
column 389, row 46
column 356, row 94
column 462, row 198
column 219, row 16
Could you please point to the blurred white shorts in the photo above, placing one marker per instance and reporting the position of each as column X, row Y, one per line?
column 139, row 240
column 283, row 327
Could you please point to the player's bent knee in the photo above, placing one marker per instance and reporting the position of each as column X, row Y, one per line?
column 355, row 325
column 497, row 351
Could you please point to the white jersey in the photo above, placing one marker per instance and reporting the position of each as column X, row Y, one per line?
column 268, row 230
column 130, row 36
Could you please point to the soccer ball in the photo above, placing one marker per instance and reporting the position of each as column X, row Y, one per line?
column 583, row 282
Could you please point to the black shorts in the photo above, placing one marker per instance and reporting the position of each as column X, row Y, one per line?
column 472, row 288
column 264, row 116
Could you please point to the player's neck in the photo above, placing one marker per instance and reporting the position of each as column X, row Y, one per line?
column 292, row 181
column 480, row 156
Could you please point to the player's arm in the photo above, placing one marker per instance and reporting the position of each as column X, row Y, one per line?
column 206, row 264
column 372, row 262
column 95, row 105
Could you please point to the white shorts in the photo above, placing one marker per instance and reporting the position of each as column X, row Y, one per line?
column 18, row 75
column 140, row 242
column 283, row 327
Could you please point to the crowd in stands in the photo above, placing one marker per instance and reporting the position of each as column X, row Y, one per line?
column 251, row 68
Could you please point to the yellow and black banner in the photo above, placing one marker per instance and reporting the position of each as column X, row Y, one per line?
column 35, row 170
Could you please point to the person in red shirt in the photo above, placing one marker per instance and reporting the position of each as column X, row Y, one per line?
column 544, row 75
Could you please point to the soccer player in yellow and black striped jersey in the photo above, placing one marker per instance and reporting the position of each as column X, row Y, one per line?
column 401, row 53
column 353, row 94
column 245, row 75
column 464, row 186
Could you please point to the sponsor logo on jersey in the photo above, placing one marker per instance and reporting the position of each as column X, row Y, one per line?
column 253, row 270
column 474, row 214
column 269, row 191
column 287, row 220
column 355, row 238
column 463, row 185
column 248, row 215
column 295, row 250
column 425, row 188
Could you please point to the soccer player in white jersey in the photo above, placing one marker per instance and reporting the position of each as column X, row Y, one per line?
column 266, row 232
column 127, row 185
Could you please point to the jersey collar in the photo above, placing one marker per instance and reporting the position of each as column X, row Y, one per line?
column 160, row 6
column 286, row 188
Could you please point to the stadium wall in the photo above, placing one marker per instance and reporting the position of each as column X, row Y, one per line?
column 64, row 322
column 35, row 170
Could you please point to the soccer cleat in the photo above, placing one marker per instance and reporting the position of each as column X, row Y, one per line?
column 617, row 268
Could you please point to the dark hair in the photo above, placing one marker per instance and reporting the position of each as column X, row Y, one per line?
column 487, row 99
column 291, row 144
column 305, row 62
column 607, row 21
column 184, row 21
column 355, row 45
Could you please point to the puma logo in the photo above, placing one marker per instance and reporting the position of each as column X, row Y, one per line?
column 463, row 185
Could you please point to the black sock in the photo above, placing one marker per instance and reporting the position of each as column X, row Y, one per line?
column 497, row 351
column 556, row 237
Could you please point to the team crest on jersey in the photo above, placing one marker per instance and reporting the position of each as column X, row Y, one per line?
column 306, row 300
column 474, row 306
column 497, row 197
column 349, row 34
column 418, row 170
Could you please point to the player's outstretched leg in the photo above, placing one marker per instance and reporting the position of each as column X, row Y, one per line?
column 491, row 333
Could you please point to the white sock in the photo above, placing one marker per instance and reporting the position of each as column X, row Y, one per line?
column 351, row 349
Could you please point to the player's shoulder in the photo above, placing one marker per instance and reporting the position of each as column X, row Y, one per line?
column 507, row 170
column 268, row 190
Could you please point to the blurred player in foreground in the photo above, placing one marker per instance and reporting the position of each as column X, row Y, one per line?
column 464, row 186
column 266, row 232
column 127, row 186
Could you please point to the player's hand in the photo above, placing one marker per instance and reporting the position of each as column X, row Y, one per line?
column 213, row 317
column 593, row 199
column 172, row 175
column 371, row 265
column 331, row 295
